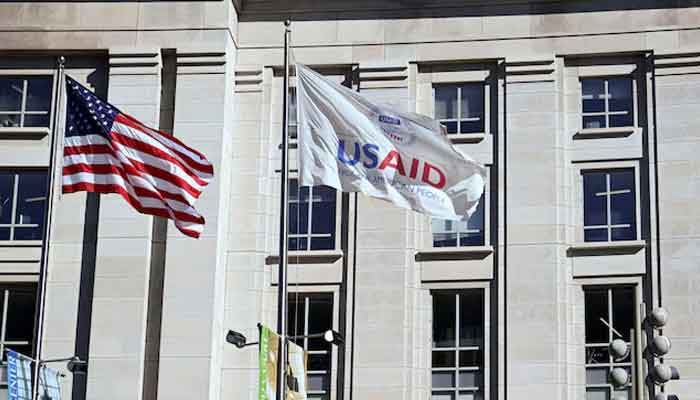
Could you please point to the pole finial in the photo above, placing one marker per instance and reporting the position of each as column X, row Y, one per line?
column 61, row 61
column 287, row 22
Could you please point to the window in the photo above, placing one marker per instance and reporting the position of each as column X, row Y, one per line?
column 292, row 127
column 17, row 308
column 448, row 233
column 311, row 217
column 609, row 312
column 458, row 345
column 609, row 205
column 25, row 101
column 22, row 203
column 308, row 314
column 607, row 102
column 460, row 108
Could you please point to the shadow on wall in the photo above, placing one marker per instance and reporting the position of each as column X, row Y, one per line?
column 307, row 10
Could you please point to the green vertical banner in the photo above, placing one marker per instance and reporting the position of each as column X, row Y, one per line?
column 269, row 349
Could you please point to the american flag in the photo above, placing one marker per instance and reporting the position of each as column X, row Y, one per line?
column 107, row 151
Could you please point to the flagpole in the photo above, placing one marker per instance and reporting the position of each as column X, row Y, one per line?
column 43, row 272
column 283, row 245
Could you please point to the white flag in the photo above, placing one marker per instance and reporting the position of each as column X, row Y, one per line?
column 349, row 143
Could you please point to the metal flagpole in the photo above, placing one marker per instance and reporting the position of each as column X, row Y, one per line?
column 283, row 245
column 43, row 276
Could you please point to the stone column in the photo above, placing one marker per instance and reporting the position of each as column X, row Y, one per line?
column 195, row 270
column 535, row 290
column 118, row 329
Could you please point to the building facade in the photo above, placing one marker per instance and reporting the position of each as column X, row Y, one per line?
column 586, row 114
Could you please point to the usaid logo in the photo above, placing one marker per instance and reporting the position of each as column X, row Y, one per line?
column 391, row 126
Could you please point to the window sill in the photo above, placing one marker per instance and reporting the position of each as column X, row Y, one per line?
column 604, row 133
column 13, row 133
column 466, row 137
column 606, row 248
column 20, row 243
column 454, row 253
column 307, row 257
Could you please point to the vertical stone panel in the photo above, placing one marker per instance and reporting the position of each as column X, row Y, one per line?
column 193, row 300
column 678, row 124
column 118, row 331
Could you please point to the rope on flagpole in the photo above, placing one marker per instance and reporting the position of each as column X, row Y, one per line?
column 48, row 222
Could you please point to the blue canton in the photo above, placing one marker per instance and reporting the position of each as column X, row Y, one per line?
column 87, row 114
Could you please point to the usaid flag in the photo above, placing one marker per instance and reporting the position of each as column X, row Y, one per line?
column 354, row 145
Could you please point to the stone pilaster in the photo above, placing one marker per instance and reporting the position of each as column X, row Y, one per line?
column 193, row 303
column 119, row 310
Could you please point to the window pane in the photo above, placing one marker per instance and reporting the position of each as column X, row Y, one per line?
column 596, row 308
column 472, row 101
column 4, row 233
column 39, row 93
column 597, row 355
column 444, row 234
column 597, row 394
column 7, row 182
column 451, row 126
column 623, row 233
column 20, row 315
column 445, row 102
column 296, row 315
column 471, row 318
column 470, row 396
column 594, row 199
column 617, row 120
column 292, row 106
column 471, row 239
column 622, row 208
column 472, row 126
column 470, row 358
column 622, row 179
column 444, row 359
column 9, row 120
column 320, row 320
column 622, row 394
column 597, row 376
column 319, row 362
column 595, row 235
column 469, row 379
column 11, row 94
column 593, row 95
column 594, row 122
column 443, row 396
column 317, row 382
column 36, row 120
column 323, row 215
column 443, row 379
column 444, row 320
column 31, row 200
column 620, row 94
column 623, row 311
column 298, row 244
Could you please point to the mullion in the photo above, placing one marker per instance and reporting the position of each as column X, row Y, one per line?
column 608, row 199
column 13, row 213
column 24, row 102
column 3, row 330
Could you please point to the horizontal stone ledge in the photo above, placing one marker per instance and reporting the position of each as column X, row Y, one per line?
column 605, row 248
column 454, row 253
column 307, row 257
column 603, row 133
column 26, row 133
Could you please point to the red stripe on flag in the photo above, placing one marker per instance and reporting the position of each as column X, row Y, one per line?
column 118, row 189
column 123, row 172
column 131, row 122
column 138, row 145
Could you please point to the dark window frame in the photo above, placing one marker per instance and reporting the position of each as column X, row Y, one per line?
column 459, row 119
column 13, row 224
column 25, row 92
column 609, row 194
